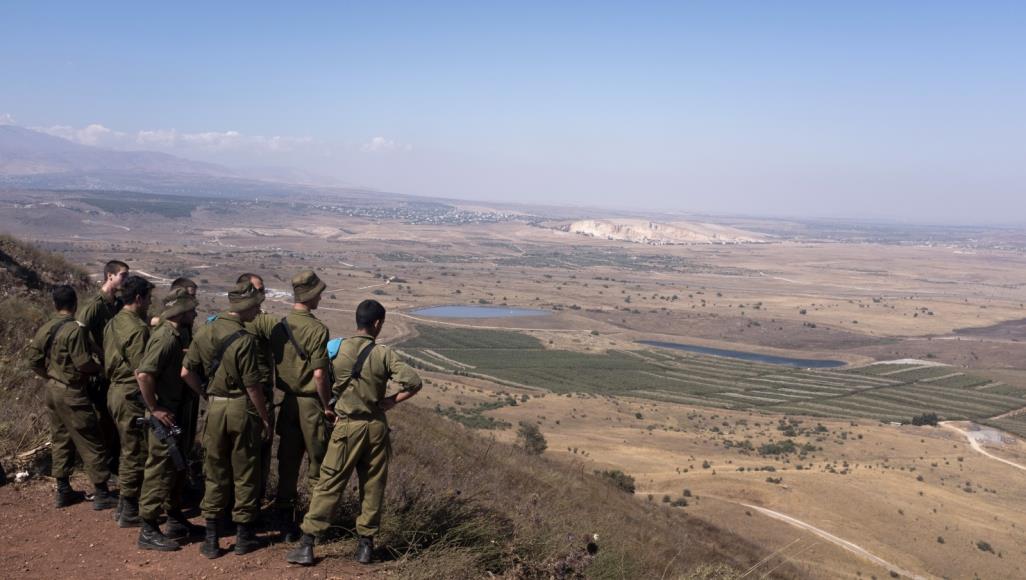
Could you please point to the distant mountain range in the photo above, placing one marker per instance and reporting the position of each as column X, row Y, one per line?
column 34, row 160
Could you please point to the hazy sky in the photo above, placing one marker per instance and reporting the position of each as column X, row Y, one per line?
column 908, row 110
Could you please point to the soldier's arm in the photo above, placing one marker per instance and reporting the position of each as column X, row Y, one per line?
column 135, row 347
column 35, row 357
column 191, row 369
column 78, row 348
column 319, row 361
column 408, row 379
column 253, row 374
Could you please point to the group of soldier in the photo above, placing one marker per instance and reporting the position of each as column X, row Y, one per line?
column 124, row 392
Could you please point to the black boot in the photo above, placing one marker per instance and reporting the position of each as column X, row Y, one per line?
column 246, row 540
column 150, row 538
column 287, row 524
column 120, row 507
column 129, row 513
column 365, row 549
column 303, row 553
column 179, row 527
column 65, row 495
column 103, row 499
column 211, row 547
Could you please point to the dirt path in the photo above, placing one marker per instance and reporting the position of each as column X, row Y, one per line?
column 40, row 541
column 974, row 442
column 851, row 547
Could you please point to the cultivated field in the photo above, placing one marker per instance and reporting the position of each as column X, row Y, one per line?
column 887, row 392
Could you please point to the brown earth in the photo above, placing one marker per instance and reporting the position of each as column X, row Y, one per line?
column 40, row 541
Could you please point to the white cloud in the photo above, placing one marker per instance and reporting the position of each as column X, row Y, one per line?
column 383, row 145
column 174, row 140
column 6, row 119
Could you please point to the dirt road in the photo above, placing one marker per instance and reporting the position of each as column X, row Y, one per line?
column 851, row 547
column 974, row 437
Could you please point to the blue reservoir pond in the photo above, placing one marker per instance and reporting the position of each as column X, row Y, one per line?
column 478, row 312
column 805, row 363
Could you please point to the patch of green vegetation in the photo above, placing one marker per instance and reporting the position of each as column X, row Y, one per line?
column 172, row 207
column 868, row 392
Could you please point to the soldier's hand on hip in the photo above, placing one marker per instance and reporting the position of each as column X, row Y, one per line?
column 331, row 416
column 387, row 403
column 164, row 416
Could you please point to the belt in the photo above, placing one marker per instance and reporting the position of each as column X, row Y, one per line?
column 220, row 398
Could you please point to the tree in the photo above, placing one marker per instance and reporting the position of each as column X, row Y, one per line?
column 530, row 439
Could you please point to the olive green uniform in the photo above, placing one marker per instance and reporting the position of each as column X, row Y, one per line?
column 231, row 436
column 95, row 313
column 360, row 438
column 261, row 327
column 124, row 343
column 301, row 423
column 162, row 484
column 73, row 423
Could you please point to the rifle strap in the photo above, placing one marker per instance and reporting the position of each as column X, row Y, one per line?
column 215, row 363
column 50, row 337
column 360, row 359
column 292, row 338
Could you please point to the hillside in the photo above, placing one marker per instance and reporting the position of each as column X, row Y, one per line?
column 647, row 232
column 459, row 504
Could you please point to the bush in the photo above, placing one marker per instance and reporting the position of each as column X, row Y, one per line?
column 925, row 419
column 620, row 479
column 530, row 439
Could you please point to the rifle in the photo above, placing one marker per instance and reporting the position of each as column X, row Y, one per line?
column 167, row 436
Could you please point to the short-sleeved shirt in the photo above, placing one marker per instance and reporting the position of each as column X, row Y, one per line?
column 69, row 350
column 361, row 396
column 296, row 374
column 124, row 342
column 184, row 331
column 241, row 364
column 163, row 359
column 95, row 314
column 261, row 327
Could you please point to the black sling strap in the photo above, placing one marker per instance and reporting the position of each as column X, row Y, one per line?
column 360, row 359
column 50, row 337
column 292, row 338
column 215, row 363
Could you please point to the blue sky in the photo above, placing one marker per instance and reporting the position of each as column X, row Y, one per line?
column 902, row 110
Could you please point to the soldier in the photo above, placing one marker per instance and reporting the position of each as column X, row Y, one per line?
column 299, row 344
column 160, row 382
column 360, row 438
column 262, row 326
column 124, row 342
column 192, row 289
column 60, row 352
column 95, row 314
column 227, row 356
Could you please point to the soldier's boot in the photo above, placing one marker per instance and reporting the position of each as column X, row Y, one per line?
column 246, row 540
column 179, row 527
column 303, row 553
column 119, row 508
column 129, row 513
column 150, row 538
column 288, row 525
column 65, row 494
column 210, row 547
column 103, row 499
column 365, row 550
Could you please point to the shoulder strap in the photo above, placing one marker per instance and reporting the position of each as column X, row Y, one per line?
column 216, row 362
column 292, row 338
column 360, row 359
column 50, row 338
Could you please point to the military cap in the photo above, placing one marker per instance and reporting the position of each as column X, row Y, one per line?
column 178, row 301
column 244, row 296
column 306, row 286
